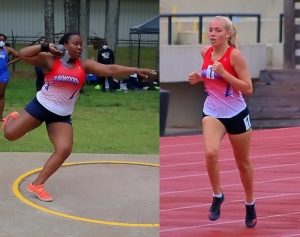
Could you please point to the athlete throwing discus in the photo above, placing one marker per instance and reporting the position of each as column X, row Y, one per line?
column 65, row 75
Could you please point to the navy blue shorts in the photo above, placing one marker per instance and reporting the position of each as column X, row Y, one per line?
column 36, row 110
column 238, row 124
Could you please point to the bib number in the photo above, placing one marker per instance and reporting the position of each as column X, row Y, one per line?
column 247, row 122
column 210, row 74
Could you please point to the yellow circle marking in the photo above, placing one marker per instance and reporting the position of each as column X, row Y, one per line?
column 22, row 198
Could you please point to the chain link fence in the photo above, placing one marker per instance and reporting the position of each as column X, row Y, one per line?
column 129, row 52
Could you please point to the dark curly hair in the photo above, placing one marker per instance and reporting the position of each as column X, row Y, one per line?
column 5, row 37
column 66, row 37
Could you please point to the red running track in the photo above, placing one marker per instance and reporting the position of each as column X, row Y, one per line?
column 186, row 195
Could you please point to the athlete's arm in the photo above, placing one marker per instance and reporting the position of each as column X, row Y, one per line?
column 34, row 56
column 95, row 68
column 204, row 50
column 243, row 81
column 15, row 54
column 194, row 77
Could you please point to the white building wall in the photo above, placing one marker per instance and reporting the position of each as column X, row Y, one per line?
column 97, row 19
column 21, row 17
column 26, row 17
column 267, row 8
column 142, row 10
column 178, row 61
column 187, row 28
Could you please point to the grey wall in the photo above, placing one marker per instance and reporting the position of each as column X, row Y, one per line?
column 185, row 104
column 26, row 17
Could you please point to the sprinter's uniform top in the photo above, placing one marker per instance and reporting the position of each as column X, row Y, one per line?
column 223, row 101
column 61, row 88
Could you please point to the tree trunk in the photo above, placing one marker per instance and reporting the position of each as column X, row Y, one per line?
column 112, row 23
column 289, row 35
column 83, row 25
column 157, row 56
column 49, row 20
column 71, row 8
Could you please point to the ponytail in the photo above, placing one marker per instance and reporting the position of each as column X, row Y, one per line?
column 232, row 40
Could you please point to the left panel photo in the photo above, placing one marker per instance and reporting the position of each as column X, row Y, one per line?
column 79, row 109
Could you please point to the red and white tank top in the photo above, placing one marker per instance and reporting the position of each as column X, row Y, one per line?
column 61, row 88
column 222, row 101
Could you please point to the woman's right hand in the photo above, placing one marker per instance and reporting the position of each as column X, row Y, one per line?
column 144, row 71
column 194, row 78
column 53, row 50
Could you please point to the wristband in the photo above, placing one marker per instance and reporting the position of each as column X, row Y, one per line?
column 45, row 47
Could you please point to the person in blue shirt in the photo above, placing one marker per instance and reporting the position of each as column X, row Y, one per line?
column 4, row 72
column 106, row 56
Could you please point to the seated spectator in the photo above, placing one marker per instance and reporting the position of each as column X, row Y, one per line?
column 133, row 82
column 116, row 84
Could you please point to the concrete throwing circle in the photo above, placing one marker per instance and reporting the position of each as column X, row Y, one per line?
column 17, row 192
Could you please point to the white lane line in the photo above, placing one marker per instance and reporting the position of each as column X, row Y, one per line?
column 234, row 201
column 227, row 222
column 228, row 171
column 222, row 160
column 227, row 149
column 229, row 185
column 254, row 131
column 226, row 140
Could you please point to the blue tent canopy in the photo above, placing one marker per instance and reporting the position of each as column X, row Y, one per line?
column 149, row 27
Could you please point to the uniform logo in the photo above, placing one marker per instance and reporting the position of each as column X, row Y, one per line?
column 210, row 74
column 247, row 122
column 63, row 78
column 229, row 90
column 105, row 55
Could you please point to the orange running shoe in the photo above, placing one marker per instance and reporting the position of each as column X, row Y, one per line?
column 14, row 114
column 40, row 192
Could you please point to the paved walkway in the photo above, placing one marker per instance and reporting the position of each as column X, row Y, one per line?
column 118, row 198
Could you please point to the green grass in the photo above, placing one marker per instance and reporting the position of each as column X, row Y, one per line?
column 119, row 123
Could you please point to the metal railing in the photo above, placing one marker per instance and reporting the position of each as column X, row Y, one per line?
column 201, row 16
column 127, row 52
column 280, row 27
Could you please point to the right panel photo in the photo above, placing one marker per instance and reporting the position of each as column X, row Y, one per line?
column 229, row 118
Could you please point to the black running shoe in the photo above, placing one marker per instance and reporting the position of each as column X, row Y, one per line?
column 214, row 210
column 250, row 219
